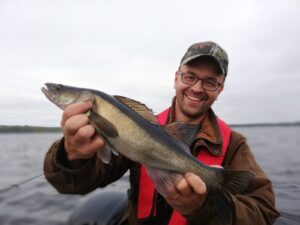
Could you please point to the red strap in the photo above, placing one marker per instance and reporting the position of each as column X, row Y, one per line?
column 163, row 117
column 208, row 159
column 177, row 219
column 146, row 194
column 146, row 190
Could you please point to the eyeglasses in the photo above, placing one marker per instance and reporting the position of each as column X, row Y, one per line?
column 191, row 79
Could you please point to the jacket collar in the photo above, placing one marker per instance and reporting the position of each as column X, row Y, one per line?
column 209, row 134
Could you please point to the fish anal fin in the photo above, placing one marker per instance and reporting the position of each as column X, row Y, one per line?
column 182, row 131
column 163, row 180
column 139, row 108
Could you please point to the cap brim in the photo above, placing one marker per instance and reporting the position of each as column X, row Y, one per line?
column 191, row 58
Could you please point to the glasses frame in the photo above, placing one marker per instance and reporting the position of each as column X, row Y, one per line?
column 218, row 84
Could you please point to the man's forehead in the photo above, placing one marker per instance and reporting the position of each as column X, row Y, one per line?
column 198, row 71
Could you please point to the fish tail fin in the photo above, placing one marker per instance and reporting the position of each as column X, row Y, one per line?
column 232, row 182
column 236, row 182
column 221, row 201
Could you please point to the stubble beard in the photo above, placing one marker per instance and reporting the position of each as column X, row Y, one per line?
column 194, row 115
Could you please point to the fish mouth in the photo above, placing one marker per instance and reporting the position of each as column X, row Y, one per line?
column 50, row 91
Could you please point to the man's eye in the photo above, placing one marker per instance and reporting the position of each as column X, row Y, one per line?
column 210, row 83
column 190, row 77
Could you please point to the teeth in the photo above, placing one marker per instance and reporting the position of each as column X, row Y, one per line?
column 193, row 98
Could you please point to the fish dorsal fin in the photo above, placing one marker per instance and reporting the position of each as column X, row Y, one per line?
column 182, row 131
column 138, row 107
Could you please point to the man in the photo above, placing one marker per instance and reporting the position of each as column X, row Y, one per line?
column 72, row 166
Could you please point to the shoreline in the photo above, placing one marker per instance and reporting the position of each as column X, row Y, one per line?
column 41, row 129
column 28, row 129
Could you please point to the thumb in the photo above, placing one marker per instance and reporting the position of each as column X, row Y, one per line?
column 217, row 166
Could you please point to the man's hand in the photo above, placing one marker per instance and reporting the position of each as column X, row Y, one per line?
column 189, row 194
column 81, row 140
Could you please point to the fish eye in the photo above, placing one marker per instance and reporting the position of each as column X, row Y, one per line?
column 58, row 87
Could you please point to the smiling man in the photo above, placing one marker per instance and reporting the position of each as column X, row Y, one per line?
column 198, row 84
column 72, row 166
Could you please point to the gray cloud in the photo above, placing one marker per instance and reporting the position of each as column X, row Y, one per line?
column 133, row 48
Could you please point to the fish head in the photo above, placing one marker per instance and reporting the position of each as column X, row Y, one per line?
column 63, row 96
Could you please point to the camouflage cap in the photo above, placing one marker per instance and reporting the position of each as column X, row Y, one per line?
column 208, row 48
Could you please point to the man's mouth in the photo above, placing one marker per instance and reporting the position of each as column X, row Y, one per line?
column 193, row 98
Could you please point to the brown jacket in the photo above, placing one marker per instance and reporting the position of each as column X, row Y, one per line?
column 256, row 206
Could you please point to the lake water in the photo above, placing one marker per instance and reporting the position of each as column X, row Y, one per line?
column 37, row 203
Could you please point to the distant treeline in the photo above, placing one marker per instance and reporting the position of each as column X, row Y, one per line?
column 284, row 124
column 27, row 129
column 36, row 129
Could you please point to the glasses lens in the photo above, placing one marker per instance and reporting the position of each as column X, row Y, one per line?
column 191, row 79
column 210, row 85
column 188, row 78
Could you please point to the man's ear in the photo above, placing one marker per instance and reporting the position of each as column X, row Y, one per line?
column 176, row 78
column 221, row 88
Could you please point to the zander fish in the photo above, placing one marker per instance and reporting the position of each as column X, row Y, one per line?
column 131, row 129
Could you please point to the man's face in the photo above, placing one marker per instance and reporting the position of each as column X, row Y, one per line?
column 192, row 101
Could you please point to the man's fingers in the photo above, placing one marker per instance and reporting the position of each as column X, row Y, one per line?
column 217, row 166
column 73, row 124
column 196, row 183
column 84, row 134
column 85, row 148
column 183, row 187
column 74, row 109
column 96, row 144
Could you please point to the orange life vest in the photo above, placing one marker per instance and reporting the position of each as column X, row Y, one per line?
column 147, row 197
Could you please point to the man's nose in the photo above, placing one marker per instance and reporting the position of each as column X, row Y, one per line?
column 198, row 86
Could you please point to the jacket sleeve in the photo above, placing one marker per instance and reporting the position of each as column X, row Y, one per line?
column 257, row 205
column 80, row 176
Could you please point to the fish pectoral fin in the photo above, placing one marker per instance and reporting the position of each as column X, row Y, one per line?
column 139, row 108
column 102, row 125
column 163, row 180
column 86, row 96
column 114, row 151
column 182, row 131
column 105, row 154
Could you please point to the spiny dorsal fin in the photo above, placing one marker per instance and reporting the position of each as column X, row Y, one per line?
column 182, row 131
column 138, row 107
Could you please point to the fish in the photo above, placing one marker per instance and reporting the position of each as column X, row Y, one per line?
column 131, row 129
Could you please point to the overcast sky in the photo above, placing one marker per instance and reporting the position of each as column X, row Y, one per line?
column 133, row 48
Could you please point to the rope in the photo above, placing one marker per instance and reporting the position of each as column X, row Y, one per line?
column 19, row 184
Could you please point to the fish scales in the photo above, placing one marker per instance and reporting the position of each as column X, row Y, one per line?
column 149, row 147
